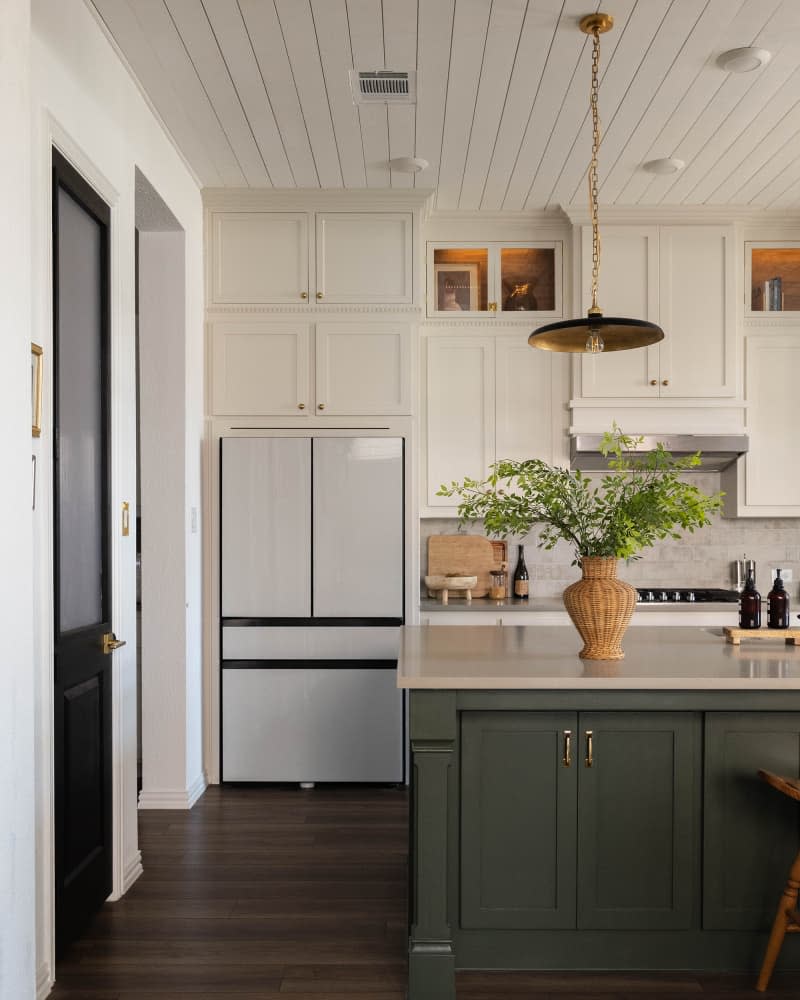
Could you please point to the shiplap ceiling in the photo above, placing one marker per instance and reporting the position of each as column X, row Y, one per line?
column 256, row 94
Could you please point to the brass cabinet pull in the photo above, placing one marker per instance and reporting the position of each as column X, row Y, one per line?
column 303, row 295
column 111, row 642
column 653, row 381
column 320, row 406
column 665, row 382
column 301, row 406
column 589, row 759
column 566, row 760
column 319, row 295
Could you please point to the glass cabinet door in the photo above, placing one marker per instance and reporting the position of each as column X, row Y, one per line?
column 460, row 280
column 774, row 277
column 527, row 279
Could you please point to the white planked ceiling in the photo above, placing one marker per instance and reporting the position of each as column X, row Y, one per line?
column 256, row 94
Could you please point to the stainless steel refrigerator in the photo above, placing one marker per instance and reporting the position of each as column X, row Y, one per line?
column 312, row 600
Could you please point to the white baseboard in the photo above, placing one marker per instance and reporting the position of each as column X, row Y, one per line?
column 173, row 798
column 44, row 981
column 133, row 869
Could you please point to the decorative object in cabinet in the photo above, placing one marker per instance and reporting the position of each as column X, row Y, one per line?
column 772, row 276
column 264, row 367
column 480, row 279
column 265, row 258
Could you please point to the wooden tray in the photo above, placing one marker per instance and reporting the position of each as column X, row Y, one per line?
column 466, row 555
column 791, row 636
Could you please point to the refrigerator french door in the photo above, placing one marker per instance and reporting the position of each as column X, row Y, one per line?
column 312, row 602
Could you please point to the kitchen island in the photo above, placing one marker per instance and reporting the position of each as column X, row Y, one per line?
column 571, row 814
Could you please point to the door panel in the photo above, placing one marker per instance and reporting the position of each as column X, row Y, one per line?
column 637, row 831
column 518, row 821
column 743, row 872
column 358, row 527
column 82, row 588
column 266, row 527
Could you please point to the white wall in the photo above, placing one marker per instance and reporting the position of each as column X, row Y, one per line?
column 84, row 99
column 17, row 969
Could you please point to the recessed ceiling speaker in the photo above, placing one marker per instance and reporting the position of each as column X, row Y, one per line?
column 666, row 165
column 743, row 60
column 408, row 164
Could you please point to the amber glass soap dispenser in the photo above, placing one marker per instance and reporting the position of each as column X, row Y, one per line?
column 778, row 604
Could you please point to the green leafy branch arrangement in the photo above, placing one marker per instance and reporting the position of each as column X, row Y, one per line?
column 640, row 501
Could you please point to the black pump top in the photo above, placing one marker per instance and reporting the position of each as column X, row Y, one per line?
column 750, row 583
column 777, row 583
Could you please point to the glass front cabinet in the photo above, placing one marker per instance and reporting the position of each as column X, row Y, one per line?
column 483, row 279
column 772, row 280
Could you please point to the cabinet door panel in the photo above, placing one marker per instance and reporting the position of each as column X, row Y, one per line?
column 260, row 368
column 363, row 368
column 525, row 413
column 358, row 527
column 744, row 872
column 637, row 821
column 517, row 821
column 461, row 416
column 364, row 257
column 266, row 527
column 628, row 287
column 697, row 355
column 259, row 257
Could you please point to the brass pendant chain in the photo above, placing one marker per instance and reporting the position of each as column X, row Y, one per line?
column 592, row 176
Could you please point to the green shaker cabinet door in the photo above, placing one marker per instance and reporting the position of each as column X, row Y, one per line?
column 638, row 820
column 518, row 820
column 744, row 869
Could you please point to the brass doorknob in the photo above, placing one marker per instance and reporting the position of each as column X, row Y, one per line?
column 320, row 406
column 303, row 295
column 653, row 381
column 301, row 406
column 665, row 382
column 319, row 295
column 111, row 642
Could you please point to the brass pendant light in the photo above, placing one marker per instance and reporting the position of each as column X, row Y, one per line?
column 597, row 333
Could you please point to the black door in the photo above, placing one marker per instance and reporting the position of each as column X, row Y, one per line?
column 82, row 590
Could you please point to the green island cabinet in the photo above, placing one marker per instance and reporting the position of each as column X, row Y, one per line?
column 664, row 851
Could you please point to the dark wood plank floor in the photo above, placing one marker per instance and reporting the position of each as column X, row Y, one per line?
column 270, row 893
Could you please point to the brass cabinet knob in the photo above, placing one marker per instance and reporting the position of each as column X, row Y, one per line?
column 319, row 295
column 665, row 382
column 320, row 406
column 653, row 381
column 492, row 307
column 303, row 295
column 301, row 406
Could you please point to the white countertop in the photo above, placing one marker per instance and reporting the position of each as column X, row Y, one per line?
column 546, row 658
column 550, row 604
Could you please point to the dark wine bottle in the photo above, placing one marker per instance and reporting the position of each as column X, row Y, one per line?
column 777, row 604
column 521, row 577
column 750, row 604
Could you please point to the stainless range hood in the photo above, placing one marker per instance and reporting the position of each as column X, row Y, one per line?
column 718, row 451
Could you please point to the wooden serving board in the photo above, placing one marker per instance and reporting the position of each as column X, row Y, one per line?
column 465, row 555
column 791, row 636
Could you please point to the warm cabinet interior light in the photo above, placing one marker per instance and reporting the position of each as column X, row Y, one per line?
column 595, row 333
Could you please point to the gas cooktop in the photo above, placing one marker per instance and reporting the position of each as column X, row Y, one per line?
column 681, row 595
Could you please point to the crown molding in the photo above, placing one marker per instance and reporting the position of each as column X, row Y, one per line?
column 316, row 199
column 579, row 215
column 532, row 217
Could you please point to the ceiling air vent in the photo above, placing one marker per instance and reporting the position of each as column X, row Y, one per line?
column 383, row 86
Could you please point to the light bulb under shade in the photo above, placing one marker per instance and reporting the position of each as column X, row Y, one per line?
column 617, row 334
column 744, row 60
column 666, row 165
column 408, row 164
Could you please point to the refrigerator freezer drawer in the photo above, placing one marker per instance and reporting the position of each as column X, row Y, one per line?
column 317, row 643
column 311, row 724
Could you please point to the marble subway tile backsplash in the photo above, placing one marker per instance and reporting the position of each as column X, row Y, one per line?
column 702, row 559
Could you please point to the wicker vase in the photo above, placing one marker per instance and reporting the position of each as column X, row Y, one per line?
column 600, row 607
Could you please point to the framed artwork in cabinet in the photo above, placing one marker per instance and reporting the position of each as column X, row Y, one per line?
column 456, row 287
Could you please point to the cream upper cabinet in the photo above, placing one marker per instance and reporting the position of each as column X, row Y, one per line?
column 364, row 257
column 681, row 277
column 271, row 258
column 291, row 368
column 488, row 398
column 766, row 482
column 259, row 257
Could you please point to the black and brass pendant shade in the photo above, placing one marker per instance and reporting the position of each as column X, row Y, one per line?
column 595, row 333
